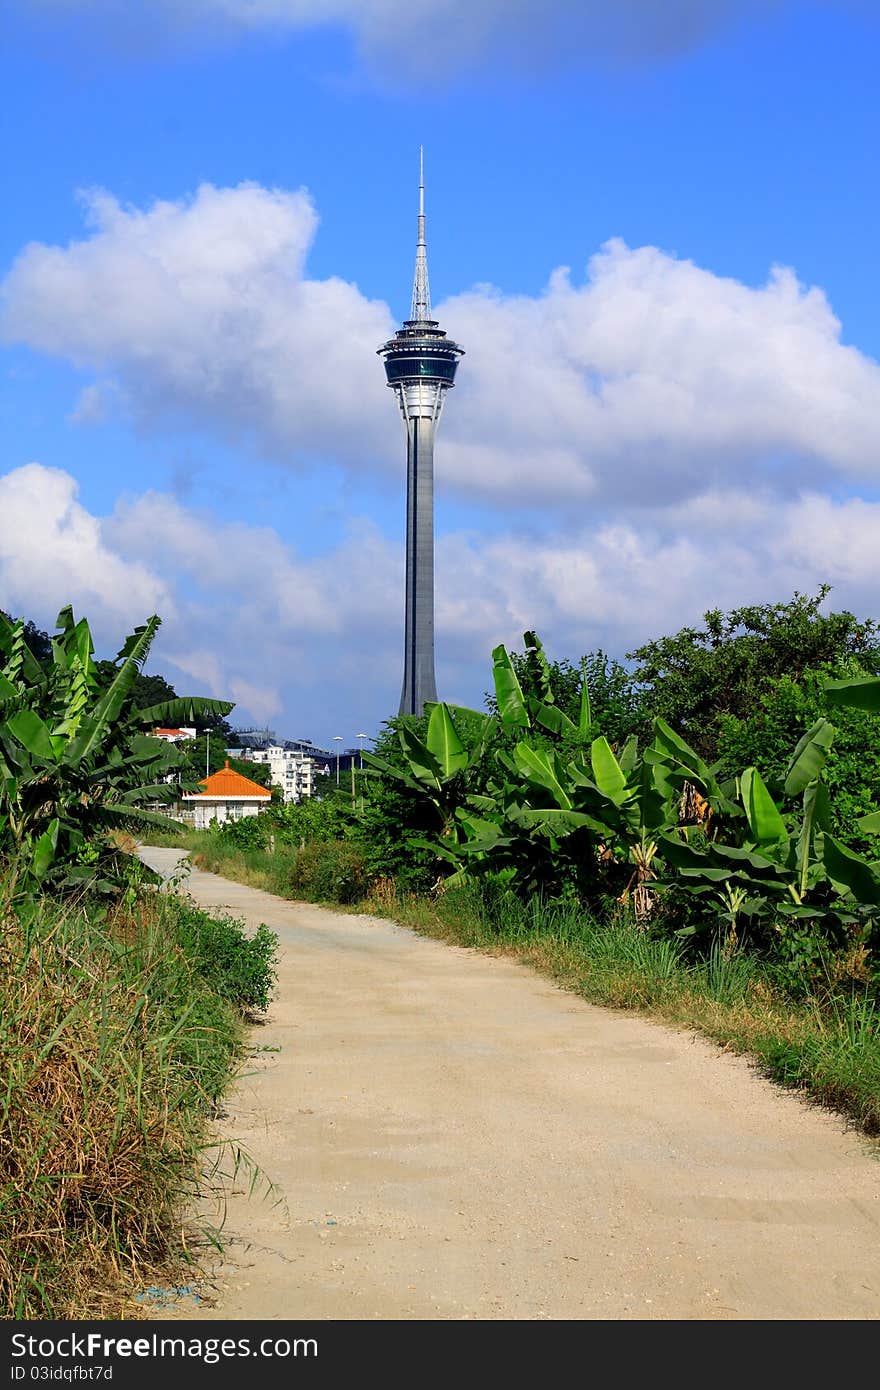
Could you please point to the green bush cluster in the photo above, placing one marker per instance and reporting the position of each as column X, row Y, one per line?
column 236, row 967
column 329, row 871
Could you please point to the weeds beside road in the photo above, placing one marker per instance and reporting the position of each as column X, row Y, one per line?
column 118, row 1035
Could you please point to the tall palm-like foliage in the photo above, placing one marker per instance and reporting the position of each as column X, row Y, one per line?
column 559, row 807
column 76, row 757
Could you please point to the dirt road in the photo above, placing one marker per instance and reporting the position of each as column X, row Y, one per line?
column 457, row 1138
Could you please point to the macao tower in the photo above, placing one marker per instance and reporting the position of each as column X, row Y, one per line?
column 420, row 363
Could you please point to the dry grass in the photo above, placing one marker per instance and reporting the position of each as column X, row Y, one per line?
column 112, row 1054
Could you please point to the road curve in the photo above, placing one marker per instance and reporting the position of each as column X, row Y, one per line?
column 457, row 1138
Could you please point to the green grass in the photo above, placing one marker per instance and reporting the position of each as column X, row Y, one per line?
column 115, row 1047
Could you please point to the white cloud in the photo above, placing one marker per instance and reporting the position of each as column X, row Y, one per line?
column 434, row 39
column 52, row 552
column 315, row 643
column 616, row 584
column 654, row 377
column 650, row 377
column 202, row 311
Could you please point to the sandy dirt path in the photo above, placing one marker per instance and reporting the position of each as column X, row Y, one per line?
column 457, row 1138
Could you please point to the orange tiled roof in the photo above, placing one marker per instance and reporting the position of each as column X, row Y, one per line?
column 227, row 782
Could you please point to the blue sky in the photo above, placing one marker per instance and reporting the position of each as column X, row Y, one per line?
column 211, row 217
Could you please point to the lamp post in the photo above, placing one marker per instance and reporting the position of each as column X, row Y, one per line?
column 361, row 737
column 337, row 738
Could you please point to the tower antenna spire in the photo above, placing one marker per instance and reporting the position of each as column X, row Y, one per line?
column 421, row 295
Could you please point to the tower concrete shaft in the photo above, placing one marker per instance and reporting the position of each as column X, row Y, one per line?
column 420, row 364
column 419, row 683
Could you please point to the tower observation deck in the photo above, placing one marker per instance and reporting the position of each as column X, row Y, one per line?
column 420, row 364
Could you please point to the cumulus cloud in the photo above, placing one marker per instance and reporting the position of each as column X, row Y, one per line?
column 244, row 616
column 616, row 584
column 438, row 38
column 648, row 374
column 314, row 644
column 655, row 375
column 202, row 311
column 52, row 552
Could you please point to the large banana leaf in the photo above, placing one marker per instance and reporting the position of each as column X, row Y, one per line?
column 389, row 770
column 765, row 820
column 849, row 873
column 863, row 692
column 609, row 775
column 551, row 718
column 134, row 652
column 32, row 733
column 538, row 766
column 45, row 850
column 678, row 752
column 869, row 824
column 628, row 754
column 585, row 718
column 422, row 763
column 816, row 817
column 508, row 693
column 809, row 757
column 444, row 743
column 8, row 691
column 184, row 711
column 559, row 821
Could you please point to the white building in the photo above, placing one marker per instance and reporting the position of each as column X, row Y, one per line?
column 291, row 769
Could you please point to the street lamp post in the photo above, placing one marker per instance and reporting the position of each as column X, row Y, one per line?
column 337, row 738
column 361, row 738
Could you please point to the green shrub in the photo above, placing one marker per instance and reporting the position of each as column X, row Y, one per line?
column 312, row 819
column 330, row 871
column 238, row 968
column 250, row 833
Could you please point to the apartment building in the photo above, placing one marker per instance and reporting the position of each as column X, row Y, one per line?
column 290, row 767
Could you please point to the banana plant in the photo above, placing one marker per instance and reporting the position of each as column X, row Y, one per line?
column 76, row 758
column 436, row 766
column 786, row 866
column 538, row 711
column 860, row 692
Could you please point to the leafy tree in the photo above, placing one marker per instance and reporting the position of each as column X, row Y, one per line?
column 764, row 737
column 700, row 676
